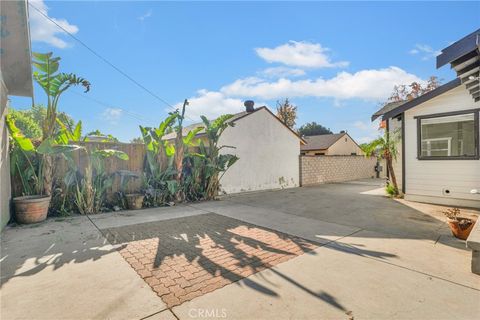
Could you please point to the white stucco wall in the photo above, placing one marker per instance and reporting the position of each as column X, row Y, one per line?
column 268, row 152
column 426, row 180
column 5, row 189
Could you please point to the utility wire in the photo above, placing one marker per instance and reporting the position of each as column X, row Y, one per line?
column 106, row 61
column 127, row 112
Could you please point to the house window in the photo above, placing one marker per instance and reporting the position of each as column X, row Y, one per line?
column 448, row 136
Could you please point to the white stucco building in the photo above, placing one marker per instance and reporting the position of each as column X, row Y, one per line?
column 439, row 156
column 267, row 149
column 15, row 79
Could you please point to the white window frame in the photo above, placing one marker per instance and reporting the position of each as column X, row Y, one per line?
column 429, row 145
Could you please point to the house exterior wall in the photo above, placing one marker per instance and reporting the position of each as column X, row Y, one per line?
column 344, row 146
column 268, row 152
column 427, row 180
column 395, row 126
column 322, row 169
column 5, row 186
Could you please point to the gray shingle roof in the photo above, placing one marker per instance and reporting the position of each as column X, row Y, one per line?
column 386, row 108
column 320, row 142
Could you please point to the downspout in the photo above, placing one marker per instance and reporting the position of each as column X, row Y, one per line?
column 387, row 128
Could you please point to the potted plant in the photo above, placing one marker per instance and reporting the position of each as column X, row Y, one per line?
column 459, row 226
column 132, row 201
column 27, row 161
column 33, row 163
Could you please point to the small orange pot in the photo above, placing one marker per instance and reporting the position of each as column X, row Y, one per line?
column 31, row 209
column 134, row 201
column 458, row 231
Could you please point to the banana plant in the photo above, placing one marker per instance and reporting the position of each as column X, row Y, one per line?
column 213, row 163
column 89, row 187
column 54, row 84
column 160, row 184
column 27, row 158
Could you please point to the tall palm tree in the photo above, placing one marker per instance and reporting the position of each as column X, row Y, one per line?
column 385, row 148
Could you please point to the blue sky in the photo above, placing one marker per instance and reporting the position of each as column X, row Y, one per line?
column 335, row 61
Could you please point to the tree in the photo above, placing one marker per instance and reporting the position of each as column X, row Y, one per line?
column 413, row 90
column 31, row 121
column 287, row 113
column 385, row 148
column 136, row 140
column 313, row 129
column 54, row 84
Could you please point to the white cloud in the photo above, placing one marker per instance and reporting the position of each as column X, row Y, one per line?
column 211, row 104
column 360, row 125
column 279, row 72
column 425, row 51
column 112, row 115
column 145, row 16
column 370, row 131
column 44, row 30
column 373, row 84
column 299, row 54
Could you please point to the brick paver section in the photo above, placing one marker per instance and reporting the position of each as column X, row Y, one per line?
column 187, row 257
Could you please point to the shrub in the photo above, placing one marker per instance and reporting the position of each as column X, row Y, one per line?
column 391, row 190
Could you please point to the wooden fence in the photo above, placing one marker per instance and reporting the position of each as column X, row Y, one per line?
column 136, row 153
column 135, row 163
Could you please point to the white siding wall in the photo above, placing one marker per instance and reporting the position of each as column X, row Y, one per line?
column 427, row 179
column 395, row 126
column 268, row 152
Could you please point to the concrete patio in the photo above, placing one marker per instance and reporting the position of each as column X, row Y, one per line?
column 337, row 251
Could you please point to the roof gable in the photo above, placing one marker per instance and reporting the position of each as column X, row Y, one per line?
column 320, row 142
column 236, row 117
column 423, row 98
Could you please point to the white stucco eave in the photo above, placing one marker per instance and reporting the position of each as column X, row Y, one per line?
column 15, row 50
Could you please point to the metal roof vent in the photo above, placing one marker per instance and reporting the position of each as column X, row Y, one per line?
column 249, row 105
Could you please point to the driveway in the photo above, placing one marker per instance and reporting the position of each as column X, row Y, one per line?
column 336, row 251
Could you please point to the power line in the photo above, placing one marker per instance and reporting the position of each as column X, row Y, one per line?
column 106, row 61
column 128, row 113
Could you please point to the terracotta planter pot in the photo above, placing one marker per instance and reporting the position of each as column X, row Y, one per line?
column 134, row 201
column 457, row 231
column 31, row 209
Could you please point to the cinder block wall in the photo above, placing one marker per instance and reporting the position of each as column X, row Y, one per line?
column 326, row 169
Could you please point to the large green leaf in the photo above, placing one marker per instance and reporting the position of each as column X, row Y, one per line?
column 169, row 149
column 50, row 147
column 23, row 142
column 42, row 56
column 189, row 138
column 164, row 125
column 77, row 132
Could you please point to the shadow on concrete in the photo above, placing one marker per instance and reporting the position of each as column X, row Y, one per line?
column 347, row 204
column 245, row 248
column 27, row 250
